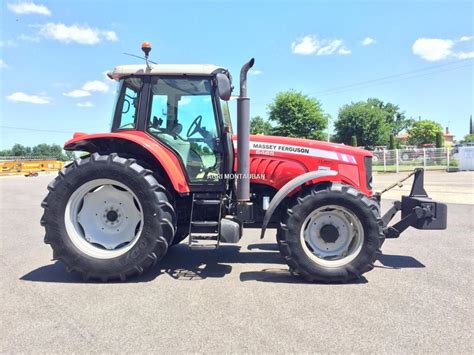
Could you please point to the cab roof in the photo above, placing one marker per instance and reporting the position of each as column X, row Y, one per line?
column 165, row 69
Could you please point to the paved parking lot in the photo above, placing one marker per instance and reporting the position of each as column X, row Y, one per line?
column 236, row 299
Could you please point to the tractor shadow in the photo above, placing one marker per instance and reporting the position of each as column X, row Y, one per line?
column 185, row 264
column 180, row 263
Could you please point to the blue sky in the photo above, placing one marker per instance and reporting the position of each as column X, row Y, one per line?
column 54, row 53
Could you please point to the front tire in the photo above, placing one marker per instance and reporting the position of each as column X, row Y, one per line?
column 107, row 217
column 331, row 235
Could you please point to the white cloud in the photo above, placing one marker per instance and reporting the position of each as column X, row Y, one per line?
column 465, row 38
column 33, row 99
column 110, row 36
column 330, row 47
column 87, row 89
column 77, row 93
column 434, row 49
column 25, row 8
column 255, row 72
column 310, row 44
column 76, row 33
column 305, row 46
column 95, row 85
column 3, row 65
column 367, row 41
column 86, row 104
column 24, row 37
column 465, row 55
column 8, row 43
column 344, row 51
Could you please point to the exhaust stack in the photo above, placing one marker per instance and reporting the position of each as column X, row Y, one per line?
column 243, row 136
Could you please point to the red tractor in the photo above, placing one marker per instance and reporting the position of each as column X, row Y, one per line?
column 172, row 169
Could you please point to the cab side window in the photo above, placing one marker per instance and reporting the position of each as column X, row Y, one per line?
column 127, row 108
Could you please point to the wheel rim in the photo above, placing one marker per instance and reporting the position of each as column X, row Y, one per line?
column 104, row 218
column 332, row 236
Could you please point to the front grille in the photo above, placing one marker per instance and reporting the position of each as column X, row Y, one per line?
column 368, row 171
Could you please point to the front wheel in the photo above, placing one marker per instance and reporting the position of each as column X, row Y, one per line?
column 331, row 235
column 107, row 217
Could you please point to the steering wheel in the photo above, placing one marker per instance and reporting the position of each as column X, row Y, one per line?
column 195, row 126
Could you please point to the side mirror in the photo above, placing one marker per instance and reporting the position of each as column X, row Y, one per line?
column 224, row 86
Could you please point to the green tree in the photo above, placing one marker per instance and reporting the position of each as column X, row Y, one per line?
column 439, row 140
column 391, row 143
column 424, row 132
column 354, row 141
column 363, row 120
column 395, row 118
column 297, row 115
column 468, row 138
column 19, row 150
column 259, row 125
column 40, row 150
column 70, row 155
column 55, row 150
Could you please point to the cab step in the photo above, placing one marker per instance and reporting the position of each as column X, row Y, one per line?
column 205, row 223
column 207, row 202
column 205, row 233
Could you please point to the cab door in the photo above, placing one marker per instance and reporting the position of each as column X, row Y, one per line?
column 184, row 115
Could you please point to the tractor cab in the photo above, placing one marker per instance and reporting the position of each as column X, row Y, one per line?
column 181, row 107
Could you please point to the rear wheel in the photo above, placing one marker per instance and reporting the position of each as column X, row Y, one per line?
column 331, row 235
column 107, row 217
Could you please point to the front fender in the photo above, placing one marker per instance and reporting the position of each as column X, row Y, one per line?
column 289, row 187
column 163, row 155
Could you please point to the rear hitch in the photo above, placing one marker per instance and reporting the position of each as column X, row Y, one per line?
column 418, row 210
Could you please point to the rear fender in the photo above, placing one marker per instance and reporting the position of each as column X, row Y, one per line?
column 288, row 188
column 131, row 142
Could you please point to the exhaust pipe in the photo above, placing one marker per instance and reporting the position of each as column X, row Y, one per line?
column 243, row 136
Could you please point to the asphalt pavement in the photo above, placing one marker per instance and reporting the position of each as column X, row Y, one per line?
column 240, row 298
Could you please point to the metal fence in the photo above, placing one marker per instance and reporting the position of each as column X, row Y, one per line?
column 397, row 160
column 29, row 157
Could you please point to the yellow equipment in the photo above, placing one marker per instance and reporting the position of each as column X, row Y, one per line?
column 28, row 166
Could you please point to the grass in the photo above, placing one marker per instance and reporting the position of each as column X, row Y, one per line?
column 406, row 167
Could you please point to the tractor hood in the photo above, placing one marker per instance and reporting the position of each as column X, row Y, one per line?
column 276, row 160
column 301, row 148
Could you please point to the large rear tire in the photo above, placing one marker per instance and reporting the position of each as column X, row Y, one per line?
column 107, row 217
column 331, row 235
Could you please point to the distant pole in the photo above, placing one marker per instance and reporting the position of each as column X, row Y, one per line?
column 447, row 158
column 384, row 162
column 471, row 128
column 397, row 166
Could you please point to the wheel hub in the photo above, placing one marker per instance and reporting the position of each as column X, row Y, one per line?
column 106, row 217
column 112, row 215
column 329, row 233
